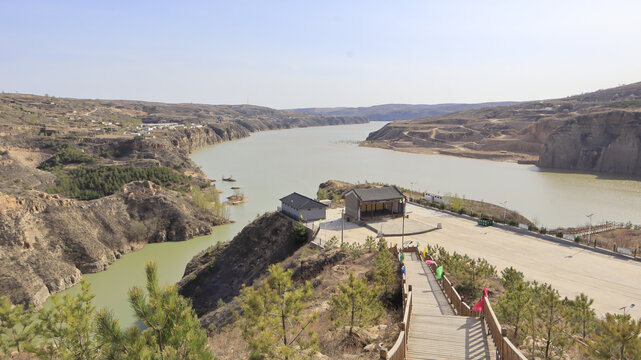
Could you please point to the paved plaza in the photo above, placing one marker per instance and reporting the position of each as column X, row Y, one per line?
column 611, row 281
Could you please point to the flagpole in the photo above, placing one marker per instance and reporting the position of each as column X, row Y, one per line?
column 403, row 228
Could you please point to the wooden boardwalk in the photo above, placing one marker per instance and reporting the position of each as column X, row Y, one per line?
column 435, row 331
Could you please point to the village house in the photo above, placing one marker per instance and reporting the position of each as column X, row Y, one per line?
column 301, row 207
column 365, row 203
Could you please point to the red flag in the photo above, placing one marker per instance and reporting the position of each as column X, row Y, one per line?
column 480, row 306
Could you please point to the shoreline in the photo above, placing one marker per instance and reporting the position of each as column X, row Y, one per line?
column 213, row 227
column 522, row 159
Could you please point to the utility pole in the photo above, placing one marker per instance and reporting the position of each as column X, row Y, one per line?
column 504, row 209
column 590, row 230
column 342, row 225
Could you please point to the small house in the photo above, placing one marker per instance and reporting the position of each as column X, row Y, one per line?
column 301, row 207
column 361, row 203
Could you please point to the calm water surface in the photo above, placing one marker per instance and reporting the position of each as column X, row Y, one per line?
column 270, row 165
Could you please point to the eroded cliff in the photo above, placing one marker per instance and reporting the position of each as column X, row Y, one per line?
column 47, row 242
column 604, row 142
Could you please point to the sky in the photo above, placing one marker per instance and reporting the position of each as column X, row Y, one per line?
column 289, row 54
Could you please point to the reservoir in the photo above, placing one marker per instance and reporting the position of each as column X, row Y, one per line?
column 272, row 164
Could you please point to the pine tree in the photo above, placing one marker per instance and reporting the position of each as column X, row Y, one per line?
column 511, row 277
column 67, row 328
column 512, row 308
column 553, row 317
column 384, row 273
column 531, row 316
column 356, row 304
column 583, row 316
column 17, row 327
column 172, row 328
column 274, row 321
column 617, row 337
column 370, row 244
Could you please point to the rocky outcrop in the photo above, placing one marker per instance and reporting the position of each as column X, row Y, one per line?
column 219, row 272
column 47, row 242
column 607, row 142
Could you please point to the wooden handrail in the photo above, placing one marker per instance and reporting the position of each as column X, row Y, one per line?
column 398, row 351
column 507, row 350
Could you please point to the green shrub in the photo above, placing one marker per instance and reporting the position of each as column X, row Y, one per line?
column 513, row 222
column 299, row 234
column 86, row 183
column 559, row 234
column 66, row 155
column 543, row 230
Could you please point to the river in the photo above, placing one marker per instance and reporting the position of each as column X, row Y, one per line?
column 269, row 165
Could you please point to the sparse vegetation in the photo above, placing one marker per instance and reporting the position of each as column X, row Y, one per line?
column 356, row 304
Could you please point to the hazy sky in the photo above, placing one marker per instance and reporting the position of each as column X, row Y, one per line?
column 286, row 54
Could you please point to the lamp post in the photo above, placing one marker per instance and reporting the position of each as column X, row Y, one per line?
column 589, row 216
column 504, row 203
column 412, row 189
column 626, row 307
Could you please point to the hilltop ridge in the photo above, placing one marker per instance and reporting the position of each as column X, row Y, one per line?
column 525, row 131
column 394, row 112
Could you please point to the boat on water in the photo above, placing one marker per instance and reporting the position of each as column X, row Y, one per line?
column 235, row 187
column 230, row 179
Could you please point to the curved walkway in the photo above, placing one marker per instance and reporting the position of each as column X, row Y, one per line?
column 435, row 331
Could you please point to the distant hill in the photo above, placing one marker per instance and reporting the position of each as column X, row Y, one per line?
column 598, row 131
column 394, row 112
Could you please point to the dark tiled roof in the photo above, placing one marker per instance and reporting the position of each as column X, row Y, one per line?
column 378, row 194
column 298, row 201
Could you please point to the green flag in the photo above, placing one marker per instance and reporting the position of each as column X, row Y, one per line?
column 402, row 256
column 439, row 272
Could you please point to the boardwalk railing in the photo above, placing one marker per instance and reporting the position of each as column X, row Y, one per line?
column 506, row 350
column 398, row 351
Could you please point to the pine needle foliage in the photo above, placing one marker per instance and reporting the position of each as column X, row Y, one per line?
column 384, row 272
column 356, row 304
column 172, row 329
column 17, row 326
column 617, row 337
column 67, row 328
column 274, row 320
column 582, row 315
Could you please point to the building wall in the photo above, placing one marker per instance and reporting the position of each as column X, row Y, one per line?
column 308, row 214
column 289, row 211
column 351, row 206
column 313, row 214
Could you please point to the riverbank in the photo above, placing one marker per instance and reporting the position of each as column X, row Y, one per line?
column 458, row 151
column 315, row 154
column 68, row 179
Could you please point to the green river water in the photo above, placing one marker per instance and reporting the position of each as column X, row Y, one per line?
column 272, row 164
